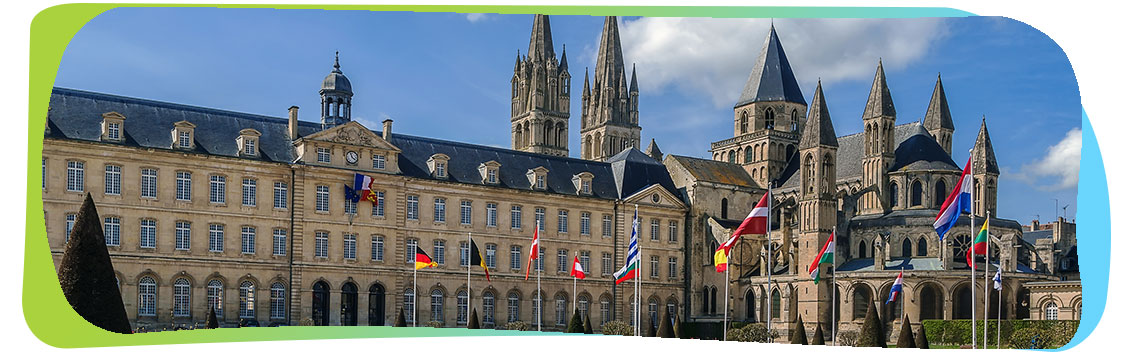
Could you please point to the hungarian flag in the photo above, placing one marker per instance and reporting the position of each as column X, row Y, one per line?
column 533, row 251
column 578, row 270
column 477, row 259
column 753, row 224
column 423, row 260
column 980, row 244
column 959, row 201
column 826, row 256
column 895, row 289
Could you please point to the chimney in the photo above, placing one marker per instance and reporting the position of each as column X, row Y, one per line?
column 386, row 131
column 292, row 122
column 1035, row 225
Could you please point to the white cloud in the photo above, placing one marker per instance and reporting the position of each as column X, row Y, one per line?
column 476, row 17
column 714, row 56
column 1059, row 168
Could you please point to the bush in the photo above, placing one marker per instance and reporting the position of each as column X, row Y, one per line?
column 677, row 327
column 575, row 324
column 957, row 332
column 306, row 322
column 800, row 336
column 617, row 327
column 588, row 324
column 400, row 321
column 211, row 322
column 518, row 326
column 871, row 334
column 666, row 330
column 906, row 337
column 818, row 335
column 434, row 324
column 752, row 332
column 86, row 274
column 847, row 338
column 474, row 322
column 920, row 339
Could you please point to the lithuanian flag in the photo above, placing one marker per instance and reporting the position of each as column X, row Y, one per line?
column 980, row 243
column 423, row 260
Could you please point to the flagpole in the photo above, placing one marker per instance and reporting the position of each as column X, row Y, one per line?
column 835, row 290
column 639, row 266
column 541, row 300
column 768, row 261
column 415, row 297
column 988, row 247
column 972, row 273
column 999, row 302
column 726, row 304
column 468, row 318
column 574, row 283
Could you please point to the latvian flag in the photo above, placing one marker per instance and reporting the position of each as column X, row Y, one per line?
column 632, row 264
column 753, row 224
column 980, row 244
column 578, row 270
column 895, row 289
column 826, row 256
column 959, row 201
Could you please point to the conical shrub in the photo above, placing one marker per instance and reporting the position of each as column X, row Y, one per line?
column 678, row 326
column 906, row 337
column 800, row 336
column 473, row 323
column 818, row 336
column 86, row 273
column 650, row 328
column 212, row 323
column 666, row 329
column 920, row 338
column 576, row 326
column 871, row 334
column 400, row 322
column 588, row 324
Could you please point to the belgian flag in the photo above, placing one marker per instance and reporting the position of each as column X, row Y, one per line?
column 423, row 260
column 477, row 259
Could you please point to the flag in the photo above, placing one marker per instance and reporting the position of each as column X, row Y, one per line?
column 533, row 252
column 825, row 257
column 754, row 223
column 959, row 201
column 578, row 270
column 477, row 259
column 351, row 194
column 980, row 243
column 997, row 279
column 895, row 289
column 423, row 260
column 632, row 263
column 363, row 187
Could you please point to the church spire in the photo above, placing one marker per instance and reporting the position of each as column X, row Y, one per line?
column 539, row 96
column 610, row 118
column 772, row 77
column 564, row 66
column 879, row 102
column 818, row 129
column 610, row 56
column 541, row 40
column 983, row 150
column 937, row 119
column 635, row 87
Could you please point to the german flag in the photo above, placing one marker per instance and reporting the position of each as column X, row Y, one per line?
column 423, row 260
column 477, row 259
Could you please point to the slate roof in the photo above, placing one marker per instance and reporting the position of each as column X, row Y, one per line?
column 772, row 78
column 336, row 80
column 938, row 113
column 1031, row 236
column 879, row 102
column 707, row 170
column 848, row 156
column 983, row 150
column 818, row 130
column 77, row 115
column 922, row 152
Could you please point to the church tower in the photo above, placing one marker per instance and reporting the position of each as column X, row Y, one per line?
column 985, row 174
column 817, row 206
column 879, row 143
column 539, row 96
column 337, row 97
column 610, row 111
column 767, row 117
column 937, row 120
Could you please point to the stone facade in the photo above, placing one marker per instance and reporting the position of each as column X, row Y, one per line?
column 539, row 95
column 1055, row 300
column 610, row 110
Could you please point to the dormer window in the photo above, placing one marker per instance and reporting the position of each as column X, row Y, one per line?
column 323, row 155
column 183, row 135
column 489, row 172
column 247, row 142
column 438, row 165
column 112, row 123
column 537, row 177
column 583, row 182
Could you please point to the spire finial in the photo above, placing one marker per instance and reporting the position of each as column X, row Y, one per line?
column 337, row 66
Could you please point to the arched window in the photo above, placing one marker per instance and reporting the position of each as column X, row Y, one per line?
column 860, row 300
column 512, row 307
column 744, row 123
column 922, row 247
column 725, row 208
column 488, row 308
column 940, row 193
column 769, row 119
column 907, row 248
column 1051, row 312
column 147, row 297
column 794, row 123
column 653, row 311
column 559, row 309
column 247, row 300
column 731, row 159
column 583, row 305
column 182, row 293
column 437, row 305
column 894, row 194
column 376, row 304
column 713, row 300
column 278, row 301
column 750, row 305
column 320, row 304
column 216, row 296
column 916, row 194
column 809, row 175
column 775, row 308
column 748, row 154
column 349, row 304
column 706, row 300
column 536, row 304
column 410, row 305
column 605, row 310
column 863, row 249
column 461, row 307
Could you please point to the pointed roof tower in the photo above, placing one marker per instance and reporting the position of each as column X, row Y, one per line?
column 586, row 90
column 879, row 102
column 541, row 40
column 653, row 151
column 983, row 151
column 564, row 67
column 772, row 77
column 610, row 56
column 635, row 86
column 818, row 129
column 938, row 113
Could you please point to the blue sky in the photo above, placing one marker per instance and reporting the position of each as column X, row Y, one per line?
column 447, row 75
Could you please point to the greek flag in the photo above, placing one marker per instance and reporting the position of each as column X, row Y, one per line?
column 997, row 280
column 632, row 263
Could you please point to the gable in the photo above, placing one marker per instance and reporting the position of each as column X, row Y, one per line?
column 354, row 134
column 656, row 195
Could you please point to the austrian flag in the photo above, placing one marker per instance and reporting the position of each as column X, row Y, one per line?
column 578, row 270
column 754, row 224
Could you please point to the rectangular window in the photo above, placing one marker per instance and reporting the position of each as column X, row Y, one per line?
column 412, row 207
column 464, row 253
column 350, row 207
column 410, row 249
column 492, row 176
column 654, row 266
column 148, row 183
column 70, row 225
column 540, row 182
column 441, row 170
column 654, row 229
column 672, row 267
column 605, row 263
column 672, row 231
column 378, row 161
column 438, row 251
column 606, row 226
column 278, row 242
column 440, row 211
column 113, row 180
column 321, row 244
column 585, row 258
column 249, row 146
column 215, row 238
column 43, row 173
column 491, row 251
column 377, row 248
column 113, row 231
column 322, row 199
column 247, row 240
column 148, row 234
column 183, row 139
column 492, row 214
column 379, row 206
column 516, row 217
column 562, row 261
column 349, row 246
column 586, row 217
column 280, row 195
column 586, row 187
column 541, row 259
column 515, row 257
column 278, row 301
column 249, row 192
column 217, row 189
column 539, row 218
column 465, row 212
column 184, row 186
column 113, row 131
column 323, row 155
column 75, row 176
column 562, row 221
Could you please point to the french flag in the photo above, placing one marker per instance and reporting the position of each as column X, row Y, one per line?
column 895, row 289
column 361, row 184
column 959, row 201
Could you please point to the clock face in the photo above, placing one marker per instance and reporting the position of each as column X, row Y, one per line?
column 351, row 157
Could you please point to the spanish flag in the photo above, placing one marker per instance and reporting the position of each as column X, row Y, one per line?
column 422, row 259
column 477, row 259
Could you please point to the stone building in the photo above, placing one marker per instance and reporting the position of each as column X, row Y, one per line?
column 610, row 109
column 539, row 95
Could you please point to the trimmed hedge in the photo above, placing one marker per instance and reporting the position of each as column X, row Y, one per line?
column 1017, row 334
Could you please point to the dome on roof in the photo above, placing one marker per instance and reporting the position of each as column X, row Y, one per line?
column 922, row 152
column 336, row 80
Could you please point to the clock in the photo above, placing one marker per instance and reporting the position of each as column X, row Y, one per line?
column 351, row 157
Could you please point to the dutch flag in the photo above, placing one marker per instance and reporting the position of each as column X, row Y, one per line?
column 959, row 201
column 895, row 289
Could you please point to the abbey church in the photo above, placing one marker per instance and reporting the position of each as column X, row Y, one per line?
column 249, row 214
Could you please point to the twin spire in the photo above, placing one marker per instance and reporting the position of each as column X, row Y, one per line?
column 818, row 129
column 879, row 102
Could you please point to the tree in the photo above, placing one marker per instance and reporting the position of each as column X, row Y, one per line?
column 818, row 336
column 588, row 324
column 86, row 273
column 920, row 339
column 650, row 328
column 871, row 334
column 666, row 329
column 678, row 326
column 473, row 323
column 575, row 324
column 212, row 323
column 400, row 322
column 800, row 336
column 906, row 337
